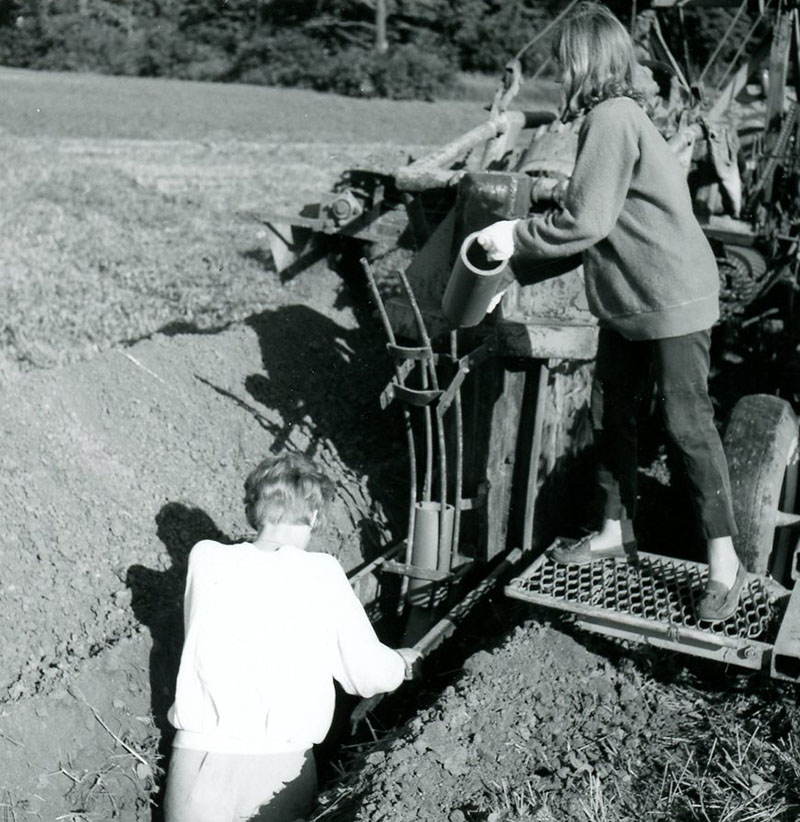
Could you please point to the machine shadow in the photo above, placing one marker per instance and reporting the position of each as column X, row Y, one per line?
column 157, row 602
column 321, row 378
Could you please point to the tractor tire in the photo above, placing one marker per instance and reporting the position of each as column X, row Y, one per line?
column 761, row 448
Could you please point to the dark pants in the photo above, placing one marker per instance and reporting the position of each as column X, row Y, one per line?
column 625, row 371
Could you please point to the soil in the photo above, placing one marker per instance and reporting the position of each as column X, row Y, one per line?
column 113, row 466
column 112, row 469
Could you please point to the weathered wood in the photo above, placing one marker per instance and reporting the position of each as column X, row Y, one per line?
column 543, row 340
column 500, row 133
column 501, row 454
column 778, row 67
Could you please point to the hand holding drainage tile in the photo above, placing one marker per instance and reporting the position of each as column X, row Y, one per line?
column 475, row 284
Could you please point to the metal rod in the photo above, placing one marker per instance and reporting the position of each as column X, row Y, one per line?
column 459, row 477
column 393, row 549
column 446, row 626
column 444, row 559
column 426, row 412
column 743, row 45
column 412, row 451
column 670, row 57
column 426, row 343
column 722, row 42
column 546, row 30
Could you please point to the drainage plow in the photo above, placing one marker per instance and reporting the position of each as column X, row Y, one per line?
column 495, row 408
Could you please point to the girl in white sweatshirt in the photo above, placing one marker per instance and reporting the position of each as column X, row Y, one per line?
column 268, row 627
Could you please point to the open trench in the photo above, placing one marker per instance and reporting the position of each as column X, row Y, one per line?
column 113, row 468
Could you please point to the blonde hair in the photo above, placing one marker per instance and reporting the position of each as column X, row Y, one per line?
column 289, row 489
column 596, row 55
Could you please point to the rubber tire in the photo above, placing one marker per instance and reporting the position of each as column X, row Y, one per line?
column 760, row 445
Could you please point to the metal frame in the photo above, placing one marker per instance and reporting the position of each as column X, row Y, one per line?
column 653, row 602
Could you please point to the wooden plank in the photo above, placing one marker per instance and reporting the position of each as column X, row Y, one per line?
column 547, row 340
column 502, row 422
column 778, row 67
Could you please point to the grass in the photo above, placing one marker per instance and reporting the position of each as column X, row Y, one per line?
column 62, row 105
column 731, row 770
column 122, row 199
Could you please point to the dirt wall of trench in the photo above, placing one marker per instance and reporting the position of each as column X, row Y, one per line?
column 111, row 470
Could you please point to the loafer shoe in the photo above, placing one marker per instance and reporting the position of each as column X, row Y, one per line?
column 580, row 552
column 718, row 603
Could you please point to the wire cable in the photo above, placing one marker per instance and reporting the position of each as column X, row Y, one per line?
column 546, row 30
column 722, row 42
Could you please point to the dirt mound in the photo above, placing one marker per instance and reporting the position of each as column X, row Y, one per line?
column 111, row 471
column 555, row 724
column 560, row 715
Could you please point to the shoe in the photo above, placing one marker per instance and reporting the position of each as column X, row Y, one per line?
column 580, row 552
column 718, row 603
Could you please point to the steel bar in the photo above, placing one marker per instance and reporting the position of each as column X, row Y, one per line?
column 445, row 552
column 722, row 41
column 459, row 472
column 412, row 451
column 428, row 420
column 430, row 574
column 546, row 30
column 426, row 345
column 446, row 626
column 465, row 365
column 376, row 563
column 739, row 52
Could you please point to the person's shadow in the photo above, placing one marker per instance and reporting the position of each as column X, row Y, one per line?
column 157, row 602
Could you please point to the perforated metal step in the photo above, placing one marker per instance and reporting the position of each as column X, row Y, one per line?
column 655, row 602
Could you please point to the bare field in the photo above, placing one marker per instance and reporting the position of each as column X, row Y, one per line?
column 121, row 199
column 151, row 355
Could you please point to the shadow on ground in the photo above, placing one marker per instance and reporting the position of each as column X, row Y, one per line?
column 157, row 602
column 324, row 380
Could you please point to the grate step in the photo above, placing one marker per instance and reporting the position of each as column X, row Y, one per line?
column 654, row 602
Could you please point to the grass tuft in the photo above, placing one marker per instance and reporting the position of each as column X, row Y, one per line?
column 730, row 771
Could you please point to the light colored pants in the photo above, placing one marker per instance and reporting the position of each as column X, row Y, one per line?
column 205, row 786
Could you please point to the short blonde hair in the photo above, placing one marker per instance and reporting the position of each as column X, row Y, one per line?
column 596, row 55
column 287, row 489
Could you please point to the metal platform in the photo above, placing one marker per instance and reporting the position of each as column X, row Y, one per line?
column 655, row 602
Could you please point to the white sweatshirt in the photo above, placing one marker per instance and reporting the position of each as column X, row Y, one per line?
column 266, row 635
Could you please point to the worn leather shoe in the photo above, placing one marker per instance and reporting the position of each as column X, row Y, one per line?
column 580, row 552
column 718, row 602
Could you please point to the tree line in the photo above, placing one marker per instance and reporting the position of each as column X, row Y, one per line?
column 392, row 48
